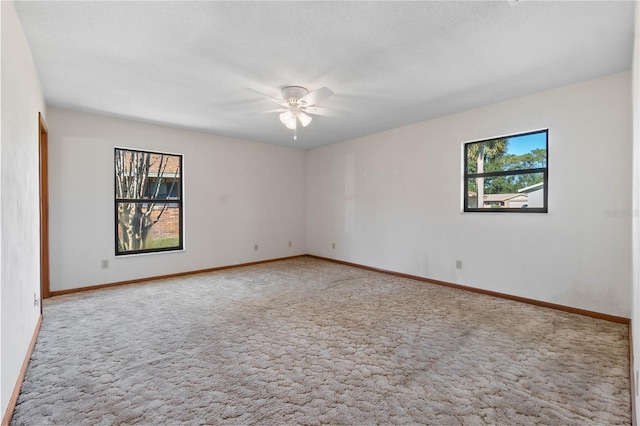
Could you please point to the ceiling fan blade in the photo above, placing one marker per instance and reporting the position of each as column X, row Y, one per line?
column 316, row 96
column 264, row 95
column 329, row 112
column 274, row 110
column 267, row 111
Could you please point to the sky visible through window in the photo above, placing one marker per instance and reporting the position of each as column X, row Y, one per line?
column 526, row 143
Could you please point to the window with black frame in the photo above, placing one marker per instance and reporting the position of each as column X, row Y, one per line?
column 148, row 201
column 507, row 174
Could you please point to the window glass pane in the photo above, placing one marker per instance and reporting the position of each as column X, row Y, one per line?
column 146, row 175
column 145, row 226
column 163, row 189
column 510, row 191
column 148, row 201
column 521, row 152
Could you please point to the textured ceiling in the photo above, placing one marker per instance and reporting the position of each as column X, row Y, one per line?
column 189, row 64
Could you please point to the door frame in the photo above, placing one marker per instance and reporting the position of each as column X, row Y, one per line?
column 43, row 154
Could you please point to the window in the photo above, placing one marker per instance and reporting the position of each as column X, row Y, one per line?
column 148, row 201
column 507, row 174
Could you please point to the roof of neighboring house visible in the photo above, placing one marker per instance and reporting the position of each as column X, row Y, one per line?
column 531, row 188
column 504, row 197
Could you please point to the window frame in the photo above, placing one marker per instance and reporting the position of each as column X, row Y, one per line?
column 179, row 201
column 467, row 176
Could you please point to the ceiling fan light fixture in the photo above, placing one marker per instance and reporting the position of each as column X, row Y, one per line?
column 304, row 119
column 288, row 119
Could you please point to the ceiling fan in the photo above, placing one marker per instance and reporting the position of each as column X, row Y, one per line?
column 297, row 103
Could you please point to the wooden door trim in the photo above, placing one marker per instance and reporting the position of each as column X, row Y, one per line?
column 43, row 153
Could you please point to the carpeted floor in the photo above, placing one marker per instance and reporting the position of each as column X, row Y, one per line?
column 306, row 341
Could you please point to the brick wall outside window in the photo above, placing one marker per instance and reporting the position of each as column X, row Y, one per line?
column 167, row 226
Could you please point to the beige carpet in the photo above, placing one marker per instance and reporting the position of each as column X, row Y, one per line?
column 306, row 341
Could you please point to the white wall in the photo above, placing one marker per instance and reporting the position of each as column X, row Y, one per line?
column 22, row 99
column 236, row 193
column 635, row 215
column 392, row 200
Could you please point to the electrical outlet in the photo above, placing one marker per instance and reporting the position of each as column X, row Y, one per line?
column 105, row 264
column 290, row 244
column 255, row 247
column 36, row 300
column 333, row 245
column 458, row 264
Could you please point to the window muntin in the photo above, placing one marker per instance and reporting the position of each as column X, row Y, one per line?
column 148, row 202
column 508, row 174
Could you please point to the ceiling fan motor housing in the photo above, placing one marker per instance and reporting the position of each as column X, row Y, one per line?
column 293, row 93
